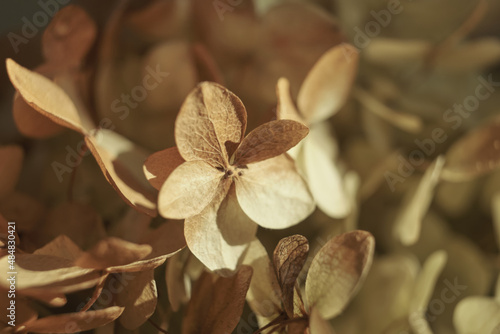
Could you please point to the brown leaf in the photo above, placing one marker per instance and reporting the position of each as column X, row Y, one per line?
column 188, row 190
column 11, row 162
column 121, row 162
column 289, row 257
column 139, row 299
column 159, row 165
column 217, row 307
column 68, row 37
column 476, row 153
column 210, row 119
column 112, row 252
column 48, row 98
column 74, row 322
column 337, row 271
column 328, row 84
column 268, row 141
column 273, row 194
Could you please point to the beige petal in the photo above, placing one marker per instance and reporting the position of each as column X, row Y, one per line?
column 30, row 122
column 477, row 315
column 337, row 271
column 273, row 194
column 69, row 37
column 286, row 107
column 323, row 176
column 328, row 84
column 389, row 52
column 35, row 270
column 318, row 325
column 11, row 162
column 409, row 220
column 74, row 322
column 158, row 166
column 112, row 252
column 139, row 299
column 289, row 257
column 268, row 141
column 121, row 162
column 475, row 55
column 220, row 234
column 424, row 287
column 264, row 295
column 189, row 189
column 48, row 98
column 62, row 247
column 476, row 153
column 210, row 124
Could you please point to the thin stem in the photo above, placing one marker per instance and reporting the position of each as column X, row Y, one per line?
column 157, row 327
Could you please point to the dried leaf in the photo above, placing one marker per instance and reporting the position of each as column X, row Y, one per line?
column 328, row 84
column 48, row 98
column 139, row 299
column 158, row 166
column 121, row 162
column 188, row 190
column 337, row 271
column 210, row 119
column 476, row 153
column 74, row 322
column 220, row 234
column 11, row 161
column 409, row 220
column 69, row 37
column 273, row 194
column 268, row 141
column 289, row 257
column 112, row 252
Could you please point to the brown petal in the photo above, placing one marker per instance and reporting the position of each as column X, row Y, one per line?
column 188, row 190
column 11, row 162
column 121, row 162
column 112, row 252
column 217, row 307
column 273, row 194
column 220, row 234
column 337, row 272
column 48, row 98
column 211, row 119
column 158, row 166
column 62, row 247
column 74, row 322
column 268, row 141
column 68, row 37
column 139, row 299
column 264, row 295
column 289, row 257
column 476, row 153
column 328, row 84
column 166, row 239
column 286, row 107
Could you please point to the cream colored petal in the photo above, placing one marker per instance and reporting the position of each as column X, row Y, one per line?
column 337, row 271
column 210, row 124
column 220, row 234
column 264, row 295
column 409, row 220
column 477, row 315
column 159, row 165
column 328, row 84
column 268, row 141
column 189, row 189
column 286, row 107
column 318, row 161
column 48, row 98
column 74, row 322
column 121, row 162
column 318, row 325
column 273, row 194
